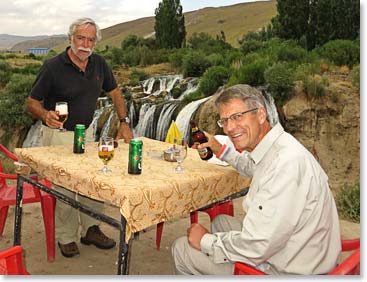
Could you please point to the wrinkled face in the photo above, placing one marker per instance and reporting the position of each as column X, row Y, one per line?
column 83, row 41
column 245, row 130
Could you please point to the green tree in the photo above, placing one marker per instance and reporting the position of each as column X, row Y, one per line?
column 169, row 25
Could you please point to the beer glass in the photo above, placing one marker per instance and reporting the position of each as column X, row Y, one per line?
column 61, row 109
column 105, row 152
column 180, row 152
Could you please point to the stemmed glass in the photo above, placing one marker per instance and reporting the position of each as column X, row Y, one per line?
column 105, row 152
column 180, row 152
column 61, row 109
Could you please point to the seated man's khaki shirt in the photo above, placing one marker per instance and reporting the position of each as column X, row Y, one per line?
column 291, row 224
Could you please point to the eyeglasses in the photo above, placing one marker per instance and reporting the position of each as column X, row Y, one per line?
column 235, row 117
column 83, row 38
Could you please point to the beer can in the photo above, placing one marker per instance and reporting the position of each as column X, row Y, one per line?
column 79, row 139
column 135, row 156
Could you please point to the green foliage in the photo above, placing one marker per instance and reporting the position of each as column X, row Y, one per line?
column 169, row 24
column 213, row 78
column 194, row 63
column 341, row 52
column 280, row 80
column 348, row 202
column 290, row 51
column 354, row 76
column 250, row 73
column 28, row 69
column 137, row 76
column 5, row 73
column 193, row 96
column 12, row 101
column 314, row 86
column 209, row 45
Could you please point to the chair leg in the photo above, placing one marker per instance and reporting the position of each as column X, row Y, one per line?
column 3, row 216
column 48, row 204
column 158, row 235
column 194, row 217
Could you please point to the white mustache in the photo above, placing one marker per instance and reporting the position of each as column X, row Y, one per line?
column 84, row 49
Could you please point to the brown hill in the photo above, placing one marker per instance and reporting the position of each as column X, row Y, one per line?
column 234, row 21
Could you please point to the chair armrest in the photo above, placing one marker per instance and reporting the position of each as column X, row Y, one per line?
column 349, row 245
column 245, row 269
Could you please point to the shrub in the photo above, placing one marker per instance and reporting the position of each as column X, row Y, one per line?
column 354, row 76
column 12, row 101
column 213, row 78
column 252, row 74
column 348, row 202
column 314, row 85
column 290, row 51
column 194, row 64
column 341, row 52
column 136, row 76
column 280, row 80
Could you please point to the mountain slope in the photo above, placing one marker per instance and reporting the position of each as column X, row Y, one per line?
column 234, row 21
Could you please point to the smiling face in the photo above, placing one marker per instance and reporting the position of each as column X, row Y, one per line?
column 247, row 130
column 83, row 41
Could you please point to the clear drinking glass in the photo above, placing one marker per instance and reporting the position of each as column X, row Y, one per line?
column 105, row 152
column 61, row 109
column 180, row 152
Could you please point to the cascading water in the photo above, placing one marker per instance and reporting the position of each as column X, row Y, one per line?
column 184, row 116
column 149, row 122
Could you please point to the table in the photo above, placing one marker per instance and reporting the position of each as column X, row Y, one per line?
column 157, row 195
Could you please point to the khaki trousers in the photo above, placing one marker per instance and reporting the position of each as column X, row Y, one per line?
column 67, row 218
column 190, row 261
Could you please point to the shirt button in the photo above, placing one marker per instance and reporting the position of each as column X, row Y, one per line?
column 260, row 207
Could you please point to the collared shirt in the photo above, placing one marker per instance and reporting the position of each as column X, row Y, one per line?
column 61, row 80
column 291, row 223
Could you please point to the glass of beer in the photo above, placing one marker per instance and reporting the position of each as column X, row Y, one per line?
column 179, row 152
column 61, row 109
column 105, row 152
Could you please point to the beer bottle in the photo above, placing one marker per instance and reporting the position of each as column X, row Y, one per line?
column 198, row 137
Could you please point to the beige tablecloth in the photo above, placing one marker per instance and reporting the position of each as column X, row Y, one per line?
column 156, row 195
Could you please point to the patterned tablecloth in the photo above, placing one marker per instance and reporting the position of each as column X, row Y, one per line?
column 156, row 195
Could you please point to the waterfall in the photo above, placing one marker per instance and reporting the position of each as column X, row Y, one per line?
column 164, row 120
column 185, row 115
column 107, row 125
column 190, row 88
column 146, row 126
column 96, row 116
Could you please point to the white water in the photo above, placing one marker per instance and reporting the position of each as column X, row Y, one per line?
column 164, row 120
column 184, row 116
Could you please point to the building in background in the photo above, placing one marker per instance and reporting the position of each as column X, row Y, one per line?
column 39, row 51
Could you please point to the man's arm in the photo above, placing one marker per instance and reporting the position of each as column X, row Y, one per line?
column 120, row 106
column 50, row 118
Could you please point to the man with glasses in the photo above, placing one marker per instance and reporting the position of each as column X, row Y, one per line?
column 77, row 76
column 291, row 224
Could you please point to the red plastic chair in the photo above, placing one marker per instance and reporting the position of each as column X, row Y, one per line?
column 222, row 208
column 30, row 195
column 349, row 266
column 11, row 262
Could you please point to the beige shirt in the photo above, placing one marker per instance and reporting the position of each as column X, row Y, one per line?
column 291, row 224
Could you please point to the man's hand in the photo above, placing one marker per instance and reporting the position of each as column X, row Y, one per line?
column 124, row 132
column 212, row 143
column 194, row 234
column 51, row 119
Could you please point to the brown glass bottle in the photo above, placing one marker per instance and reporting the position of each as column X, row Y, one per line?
column 198, row 137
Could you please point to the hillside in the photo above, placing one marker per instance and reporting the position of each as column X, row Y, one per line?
column 49, row 42
column 235, row 21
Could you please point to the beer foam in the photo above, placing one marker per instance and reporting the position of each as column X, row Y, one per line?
column 62, row 109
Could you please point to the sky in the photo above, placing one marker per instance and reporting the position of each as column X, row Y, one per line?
column 45, row 17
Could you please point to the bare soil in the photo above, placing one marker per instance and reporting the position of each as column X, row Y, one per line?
column 145, row 259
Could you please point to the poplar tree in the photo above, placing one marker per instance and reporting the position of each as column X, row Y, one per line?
column 169, row 25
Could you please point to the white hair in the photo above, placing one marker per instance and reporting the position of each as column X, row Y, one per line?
column 84, row 21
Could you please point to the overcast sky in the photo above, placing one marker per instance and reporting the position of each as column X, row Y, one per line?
column 47, row 17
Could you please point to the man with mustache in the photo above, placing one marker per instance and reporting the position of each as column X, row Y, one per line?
column 77, row 76
column 291, row 224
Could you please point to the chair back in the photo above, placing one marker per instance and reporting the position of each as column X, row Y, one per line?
column 349, row 266
column 11, row 262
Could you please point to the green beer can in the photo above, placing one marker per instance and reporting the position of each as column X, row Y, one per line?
column 79, row 139
column 135, row 156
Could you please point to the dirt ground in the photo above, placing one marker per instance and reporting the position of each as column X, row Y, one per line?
column 145, row 259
